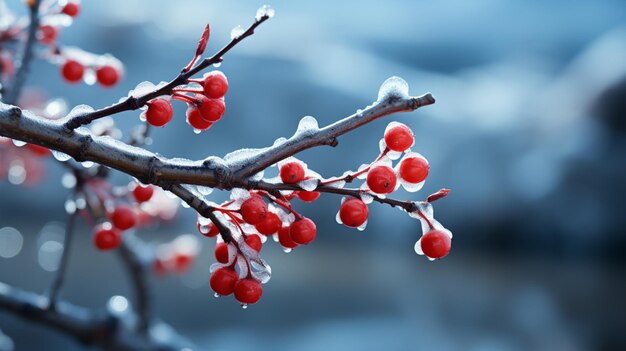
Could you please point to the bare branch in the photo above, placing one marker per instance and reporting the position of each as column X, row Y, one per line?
column 327, row 135
column 204, row 209
column 133, row 103
column 100, row 328
column 138, row 258
column 23, row 62
column 57, row 282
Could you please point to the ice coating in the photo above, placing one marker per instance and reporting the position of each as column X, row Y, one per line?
column 236, row 32
column 265, row 11
column 366, row 197
column 59, row 156
column 393, row 87
column 79, row 110
column 260, row 271
column 309, row 184
column 204, row 190
column 308, row 124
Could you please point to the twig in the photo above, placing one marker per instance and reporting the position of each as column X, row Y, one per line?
column 134, row 103
column 204, row 209
column 325, row 136
column 23, row 62
column 137, row 259
column 90, row 327
column 59, row 278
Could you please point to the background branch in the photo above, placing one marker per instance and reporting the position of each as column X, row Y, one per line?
column 137, row 258
column 59, row 277
column 13, row 91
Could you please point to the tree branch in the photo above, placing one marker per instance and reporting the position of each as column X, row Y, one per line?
column 134, row 103
column 23, row 62
column 59, row 277
column 100, row 328
column 300, row 141
column 137, row 258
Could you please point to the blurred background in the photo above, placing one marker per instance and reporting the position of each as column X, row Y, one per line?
column 528, row 131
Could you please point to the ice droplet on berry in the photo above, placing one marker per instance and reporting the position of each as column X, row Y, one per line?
column 393, row 87
column 362, row 226
column 264, row 11
column 236, row 32
column 18, row 143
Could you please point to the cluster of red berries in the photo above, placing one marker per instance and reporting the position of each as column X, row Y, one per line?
column 108, row 235
column 107, row 75
column 205, row 104
column 177, row 256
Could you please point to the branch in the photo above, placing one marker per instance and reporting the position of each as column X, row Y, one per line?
column 134, row 103
column 137, row 258
column 59, row 277
column 23, row 63
column 247, row 167
column 204, row 209
column 99, row 328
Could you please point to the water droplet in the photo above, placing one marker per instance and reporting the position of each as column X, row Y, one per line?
column 286, row 250
column 307, row 124
column 264, row 11
column 362, row 226
column 367, row 198
column 236, row 32
column 197, row 131
column 60, row 156
column 393, row 87
column 18, row 143
column 217, row 295
column 217, row 64
column 87, row 164
column 309, row 184
column 244, row 306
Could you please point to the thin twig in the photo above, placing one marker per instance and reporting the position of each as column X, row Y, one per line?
column 134, row 103
column 136, row 256
column 59, row 277
column 23, row 62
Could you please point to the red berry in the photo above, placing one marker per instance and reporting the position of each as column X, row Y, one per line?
column 302, row 231
column 107, row 76
column 436, row 244
column 212, row 230
column 123, row 217
column 71, row 9
column 106, row 238
column 159, row 112
column 254, row 210
column 414, row 170
column 270, row 225
column 38, row 150
column 221, row 253
column 381, row 179
column 308, row 196
column 215, row 85
column 143, row 193
column 285, row 239
column 292, row 172
column 194, row 118
column 72, row 71
column 182, row 262
column 211, row 110
column 353, row 212
column 248, row 291
column 223, row 281
column 254, row 241
column 399, row 138
column 48, row 34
